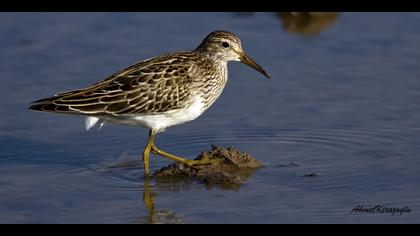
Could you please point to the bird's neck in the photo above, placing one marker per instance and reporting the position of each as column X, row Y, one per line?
column 214, row 82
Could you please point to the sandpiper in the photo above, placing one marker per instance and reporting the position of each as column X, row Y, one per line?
column 158, row 92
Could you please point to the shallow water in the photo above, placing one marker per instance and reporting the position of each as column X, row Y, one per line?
column 343, row 104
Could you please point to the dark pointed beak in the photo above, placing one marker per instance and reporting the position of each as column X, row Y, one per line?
column 248, row 61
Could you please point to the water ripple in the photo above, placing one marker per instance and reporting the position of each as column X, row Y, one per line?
column 328, row 137
column 121, row 176
column 127, row 174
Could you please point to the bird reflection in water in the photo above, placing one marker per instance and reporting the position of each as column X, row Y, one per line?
column 156, row 216
column 307, row 23
column 180, row 184
column 302, row 23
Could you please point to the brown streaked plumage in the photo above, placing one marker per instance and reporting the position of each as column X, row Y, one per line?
column 156, row 85
column 158, row 92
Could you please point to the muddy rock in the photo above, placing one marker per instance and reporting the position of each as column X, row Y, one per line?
column 231, row 168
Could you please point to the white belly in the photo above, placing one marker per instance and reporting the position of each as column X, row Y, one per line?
column 155, row 121
column 171, row 118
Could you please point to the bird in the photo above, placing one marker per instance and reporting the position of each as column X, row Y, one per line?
column 158, row 92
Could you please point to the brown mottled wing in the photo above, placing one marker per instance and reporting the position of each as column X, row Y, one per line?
column 155, row 85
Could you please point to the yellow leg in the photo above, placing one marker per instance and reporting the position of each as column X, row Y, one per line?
column 180, row 159
column 146, row 152
column 152, row 147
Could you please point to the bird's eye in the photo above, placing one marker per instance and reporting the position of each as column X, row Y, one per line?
column 225, row 44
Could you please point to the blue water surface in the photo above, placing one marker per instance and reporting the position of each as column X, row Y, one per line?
column 343, row 103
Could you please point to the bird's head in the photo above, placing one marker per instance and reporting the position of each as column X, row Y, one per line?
column 225, row 46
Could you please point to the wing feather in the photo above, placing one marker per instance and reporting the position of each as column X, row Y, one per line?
column 155, row 85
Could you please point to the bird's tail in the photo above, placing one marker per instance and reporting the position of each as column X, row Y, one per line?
column 48, row 105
